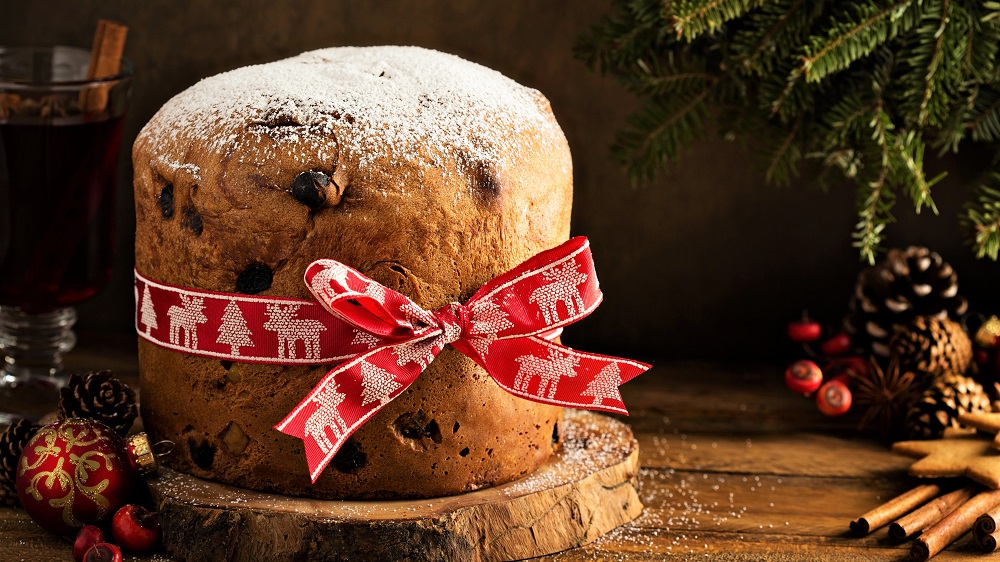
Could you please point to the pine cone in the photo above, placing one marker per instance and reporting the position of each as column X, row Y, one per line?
column 99, row 396
column 906, row 284
column 12, row 442
column 939, row 406
column 932, row 347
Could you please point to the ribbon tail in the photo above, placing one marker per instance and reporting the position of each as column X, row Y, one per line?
column 539, row 370
column 350, row 395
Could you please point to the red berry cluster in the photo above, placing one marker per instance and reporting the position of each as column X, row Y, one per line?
column 986, row 349
column 134, row 528
column 830, row 386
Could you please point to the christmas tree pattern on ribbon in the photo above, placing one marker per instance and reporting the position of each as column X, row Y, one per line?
column 234, row 331
column 605, row 385
column 488, row 319
column 148, row 315
column 377, row 385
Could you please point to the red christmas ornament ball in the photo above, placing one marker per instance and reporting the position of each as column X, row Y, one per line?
column 834, row 397
column 804, row 330
column 837, row 345
column 803, row 377
column 72, row 473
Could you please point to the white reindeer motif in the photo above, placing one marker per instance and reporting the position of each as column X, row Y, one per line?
column 281, row 319
column 326, row 417
column 321, row 284
column 548, row 371
column 186, row 317
column 561, row 289
column 321, row 281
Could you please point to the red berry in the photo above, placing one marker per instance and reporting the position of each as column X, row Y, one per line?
column 839, row 344
column 803, row 376
column 982, row 357
column 834, row 398
column 103, row 552
column 852, row 366
column 88, row 536
column 135, row 528
column 804, row 330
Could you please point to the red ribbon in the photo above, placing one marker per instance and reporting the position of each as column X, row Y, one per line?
column 388, row 340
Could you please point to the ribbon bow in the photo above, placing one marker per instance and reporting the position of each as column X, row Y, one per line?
column 505, row 328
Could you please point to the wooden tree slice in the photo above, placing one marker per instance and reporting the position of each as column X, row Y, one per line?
column 586, row 489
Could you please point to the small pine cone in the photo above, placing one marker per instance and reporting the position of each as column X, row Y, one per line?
column 99, row 396
column 932, row 347
column 888, row 296
column 940, row 405
column 12, row 442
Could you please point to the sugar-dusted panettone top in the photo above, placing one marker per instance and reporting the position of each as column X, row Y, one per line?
column 426, row 172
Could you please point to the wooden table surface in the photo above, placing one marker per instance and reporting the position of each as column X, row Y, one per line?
column 734, row 467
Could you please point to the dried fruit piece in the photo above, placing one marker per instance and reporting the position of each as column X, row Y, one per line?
column 309, row 188
column 256, row 278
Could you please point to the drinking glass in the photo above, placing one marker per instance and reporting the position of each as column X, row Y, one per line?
column 60, row 138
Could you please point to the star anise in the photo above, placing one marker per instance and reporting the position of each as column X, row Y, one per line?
column 887, row 393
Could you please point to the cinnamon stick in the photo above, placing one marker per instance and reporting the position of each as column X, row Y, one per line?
column 894, row 508
column 105, row 62
column 985, row 540
column 988, row 521
column 929, row 514
column 953, row 526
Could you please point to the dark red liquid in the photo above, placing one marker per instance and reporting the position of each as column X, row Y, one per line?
column 59, row 194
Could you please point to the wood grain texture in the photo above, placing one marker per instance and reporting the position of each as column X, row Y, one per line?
column 588, row 488
column 787, row 495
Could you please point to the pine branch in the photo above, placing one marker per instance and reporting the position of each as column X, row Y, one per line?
column 785, row 99
column 984, row 123
column 692, row 18
column 983, row 32
column 875, row 214
column 875, row 204
column 862, row 87
column 983, row 217
column 855, row 35
column 783, row 164
column 909, row 171
column 954, row 130
column 992, row 10
column 634, row 29
column 932, row 67
column 673, row 73
column 659, row 130
column 772, row 31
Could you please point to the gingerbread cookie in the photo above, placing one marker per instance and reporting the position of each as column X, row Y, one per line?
column 986, row 422
column 956, row 455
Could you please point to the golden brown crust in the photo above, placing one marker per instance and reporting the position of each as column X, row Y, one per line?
column 433, row 224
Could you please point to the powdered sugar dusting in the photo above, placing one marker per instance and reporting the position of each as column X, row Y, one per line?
column 586, row 449
column 190, row 169
column 407, row 104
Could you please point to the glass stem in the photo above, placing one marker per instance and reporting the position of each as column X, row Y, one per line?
column 33, row 345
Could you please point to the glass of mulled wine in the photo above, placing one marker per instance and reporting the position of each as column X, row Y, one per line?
column 60, row 138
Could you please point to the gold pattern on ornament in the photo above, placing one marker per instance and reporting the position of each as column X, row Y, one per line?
column 83, row 465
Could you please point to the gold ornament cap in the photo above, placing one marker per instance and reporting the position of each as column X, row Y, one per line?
column 988, row 333
column 140, row 454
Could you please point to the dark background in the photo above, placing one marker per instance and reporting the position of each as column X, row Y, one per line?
column 706, row 262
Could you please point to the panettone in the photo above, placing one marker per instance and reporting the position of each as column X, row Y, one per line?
column 426, row 172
